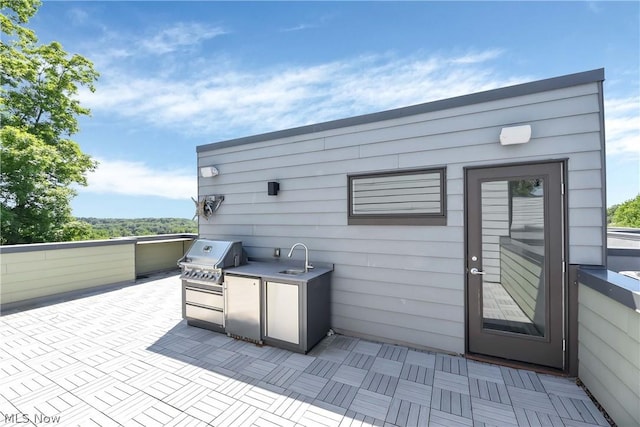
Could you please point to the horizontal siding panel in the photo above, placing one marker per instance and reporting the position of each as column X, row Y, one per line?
column 585, row 179
column 443, row 124
column 400, row 305
column 399, row 234
column 589, row 198
column 590, row 160
column 400, row 327
column 585, row 235
column 586, row 255
column 586, row 217
column 620, row 402
column 259, row 151
column 621, row 369
column 420, row 292
column 396, row 275
column 559, row 145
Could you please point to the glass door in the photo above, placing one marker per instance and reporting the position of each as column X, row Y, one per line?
column 514, row 263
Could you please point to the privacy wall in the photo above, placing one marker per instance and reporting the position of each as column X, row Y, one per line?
column 406, row 283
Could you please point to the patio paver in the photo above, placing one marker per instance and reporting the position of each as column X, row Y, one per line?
column 127, row 358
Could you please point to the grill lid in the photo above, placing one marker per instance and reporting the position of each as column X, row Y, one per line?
column 213, row 254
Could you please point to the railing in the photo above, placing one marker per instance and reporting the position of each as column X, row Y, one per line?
column 33, row 273
column 609, row 341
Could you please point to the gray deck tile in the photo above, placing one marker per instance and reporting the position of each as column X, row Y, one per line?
column 451, row 382
column 238, row 414
column 282, row 376
column 489, row 390
column 393, row 352
column 451, row 402
column 521, row 379
column 418, row 374
column 371, row 404
column 359, row 360
column 207, row 407
column 368, row 348
column 413, row 392
column 562, row 387
column 298, row 361
column 259, row 369
column 335, row 355
column 291, row 406
column 492, row 413
column 406, row 413
column 438, row 418
column 350, row 375
column 387, row 366
column 532, row 400
column 185, row 396
column 419, row 358
column 451, row 364
column 344, row 343
column 267, row 419
column 337, row 394
column 354, row 419
column 322, row 414
column 261, row 397
column 322, row 368
column 484, row 371
column 309, row 385
column 380, row 383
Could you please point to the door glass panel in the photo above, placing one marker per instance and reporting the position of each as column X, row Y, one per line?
column 513, row 255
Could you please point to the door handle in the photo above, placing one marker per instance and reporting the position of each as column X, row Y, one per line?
column 476, row 271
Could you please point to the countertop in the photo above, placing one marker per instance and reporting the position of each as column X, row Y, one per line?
column 272, row 271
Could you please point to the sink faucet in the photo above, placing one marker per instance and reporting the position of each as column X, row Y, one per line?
column 307, row 266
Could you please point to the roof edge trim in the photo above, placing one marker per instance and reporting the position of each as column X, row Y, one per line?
column 528, row 88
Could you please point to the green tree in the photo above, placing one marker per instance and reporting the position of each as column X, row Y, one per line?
column 628, row 213
column 38, row 110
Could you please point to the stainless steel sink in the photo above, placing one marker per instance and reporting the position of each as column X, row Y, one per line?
column 292, row 272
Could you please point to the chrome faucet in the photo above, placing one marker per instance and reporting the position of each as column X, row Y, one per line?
column 307, row 266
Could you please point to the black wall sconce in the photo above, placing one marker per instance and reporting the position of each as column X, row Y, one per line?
column 273, row 188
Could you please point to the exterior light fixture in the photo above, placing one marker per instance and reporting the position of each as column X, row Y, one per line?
column 515, row 135
column 208, row 171
column 272, row 188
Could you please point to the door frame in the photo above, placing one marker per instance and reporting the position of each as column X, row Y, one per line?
column 569, row 314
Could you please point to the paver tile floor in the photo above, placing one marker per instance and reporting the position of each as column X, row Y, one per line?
column 127, row 358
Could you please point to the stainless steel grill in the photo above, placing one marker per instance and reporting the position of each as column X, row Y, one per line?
column 205, row 260
column 203, row 294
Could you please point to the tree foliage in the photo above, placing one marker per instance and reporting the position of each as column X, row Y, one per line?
column 627, row 214
column 122, row 227
column 38, row 110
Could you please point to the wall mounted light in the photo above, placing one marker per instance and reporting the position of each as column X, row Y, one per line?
column 208, row 171
column 273, row 187
column 515, row 135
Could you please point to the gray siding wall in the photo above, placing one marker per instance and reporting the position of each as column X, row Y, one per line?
column 402, row 283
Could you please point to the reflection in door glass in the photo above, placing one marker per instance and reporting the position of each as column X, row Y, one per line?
column 513, row 287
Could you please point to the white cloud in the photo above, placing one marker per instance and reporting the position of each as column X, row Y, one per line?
column 138, row 179
column 179, row 36
column 229, row 101
column 622, row 126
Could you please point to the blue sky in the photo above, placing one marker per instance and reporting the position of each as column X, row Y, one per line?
column 175, row 75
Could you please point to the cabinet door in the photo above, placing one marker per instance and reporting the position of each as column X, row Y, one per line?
column 283, row 317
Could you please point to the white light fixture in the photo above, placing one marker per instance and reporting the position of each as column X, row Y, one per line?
column 208, row 171
column 515, row 135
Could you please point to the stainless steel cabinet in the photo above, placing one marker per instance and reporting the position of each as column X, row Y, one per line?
column 282, row 312
column 242, row 307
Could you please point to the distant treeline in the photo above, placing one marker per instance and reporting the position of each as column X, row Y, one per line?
column 123, row 227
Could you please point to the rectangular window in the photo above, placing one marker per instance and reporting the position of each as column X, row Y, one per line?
column 415, row 197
